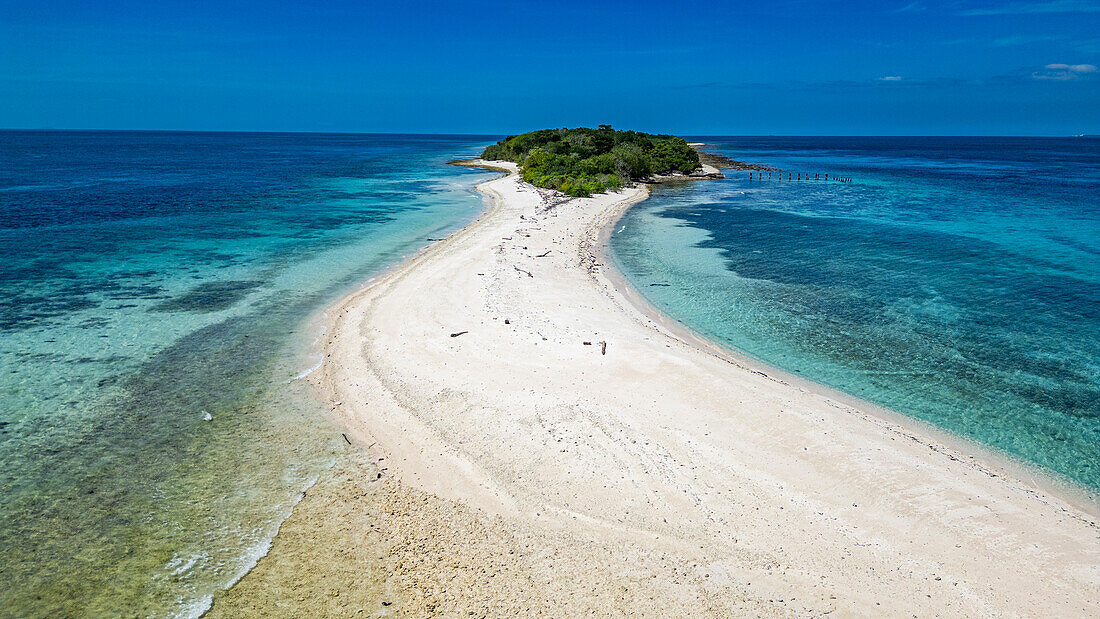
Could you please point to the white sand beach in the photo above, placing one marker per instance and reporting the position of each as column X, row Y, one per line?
column 529, row 438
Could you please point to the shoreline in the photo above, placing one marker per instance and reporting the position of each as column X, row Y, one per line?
column 992, row 461
column 459, row 475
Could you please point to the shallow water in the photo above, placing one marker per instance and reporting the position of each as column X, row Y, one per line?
column 956, row 280
column 154, row 296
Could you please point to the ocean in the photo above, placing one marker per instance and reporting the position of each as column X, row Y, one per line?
column 158, row 295
column 953, row 280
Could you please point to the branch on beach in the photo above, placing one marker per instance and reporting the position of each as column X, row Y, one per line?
column 522, row 271
column 551, row 199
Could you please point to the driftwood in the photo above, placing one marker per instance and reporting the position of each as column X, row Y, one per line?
column 522, row 271
column 346, row 438
column 459, row 333
column 544, row 255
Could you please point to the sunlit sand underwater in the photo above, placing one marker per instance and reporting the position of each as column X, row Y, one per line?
column 956, row 280
column 155, row 297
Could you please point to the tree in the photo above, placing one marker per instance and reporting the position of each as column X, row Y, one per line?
column 583, row 161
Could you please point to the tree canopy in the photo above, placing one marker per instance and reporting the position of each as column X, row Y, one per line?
column 583, row 161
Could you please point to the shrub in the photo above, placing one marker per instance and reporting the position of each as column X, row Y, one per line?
column 599, row 164
column 668, row 157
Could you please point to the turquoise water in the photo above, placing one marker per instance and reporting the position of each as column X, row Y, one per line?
column 956, row 280
column 150, row 281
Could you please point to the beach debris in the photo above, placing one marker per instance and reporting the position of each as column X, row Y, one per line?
column 522, row 271
column 431, row 239
column 207, row 416
column 587, row 343
column 507, row 322
column 603, row 348
column 544, row 255
column 346, row 438
column 459, row 333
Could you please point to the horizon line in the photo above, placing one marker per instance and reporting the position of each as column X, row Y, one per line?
column 405, row 133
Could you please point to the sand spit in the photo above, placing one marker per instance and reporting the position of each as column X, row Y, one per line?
column 528, row 441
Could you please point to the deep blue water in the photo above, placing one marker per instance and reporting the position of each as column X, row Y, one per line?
column 149, row 280
column 956, row 280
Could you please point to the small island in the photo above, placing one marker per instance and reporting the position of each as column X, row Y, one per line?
column 580, row 162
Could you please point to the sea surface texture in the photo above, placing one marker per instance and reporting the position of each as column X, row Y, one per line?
column 955, row 280
column 156, row 294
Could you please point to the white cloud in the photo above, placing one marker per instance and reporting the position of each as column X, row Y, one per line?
column 1060, row 71
column 912, row 7
column 1033, row 8
column 1073, row 68
column 890, row 78
column 1026, row 40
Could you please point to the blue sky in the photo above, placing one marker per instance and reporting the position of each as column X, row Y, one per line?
column 1021, row 67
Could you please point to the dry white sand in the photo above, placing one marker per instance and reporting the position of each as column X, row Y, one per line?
column 525, row 471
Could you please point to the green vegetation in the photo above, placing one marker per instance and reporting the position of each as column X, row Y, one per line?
column 581, row 162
